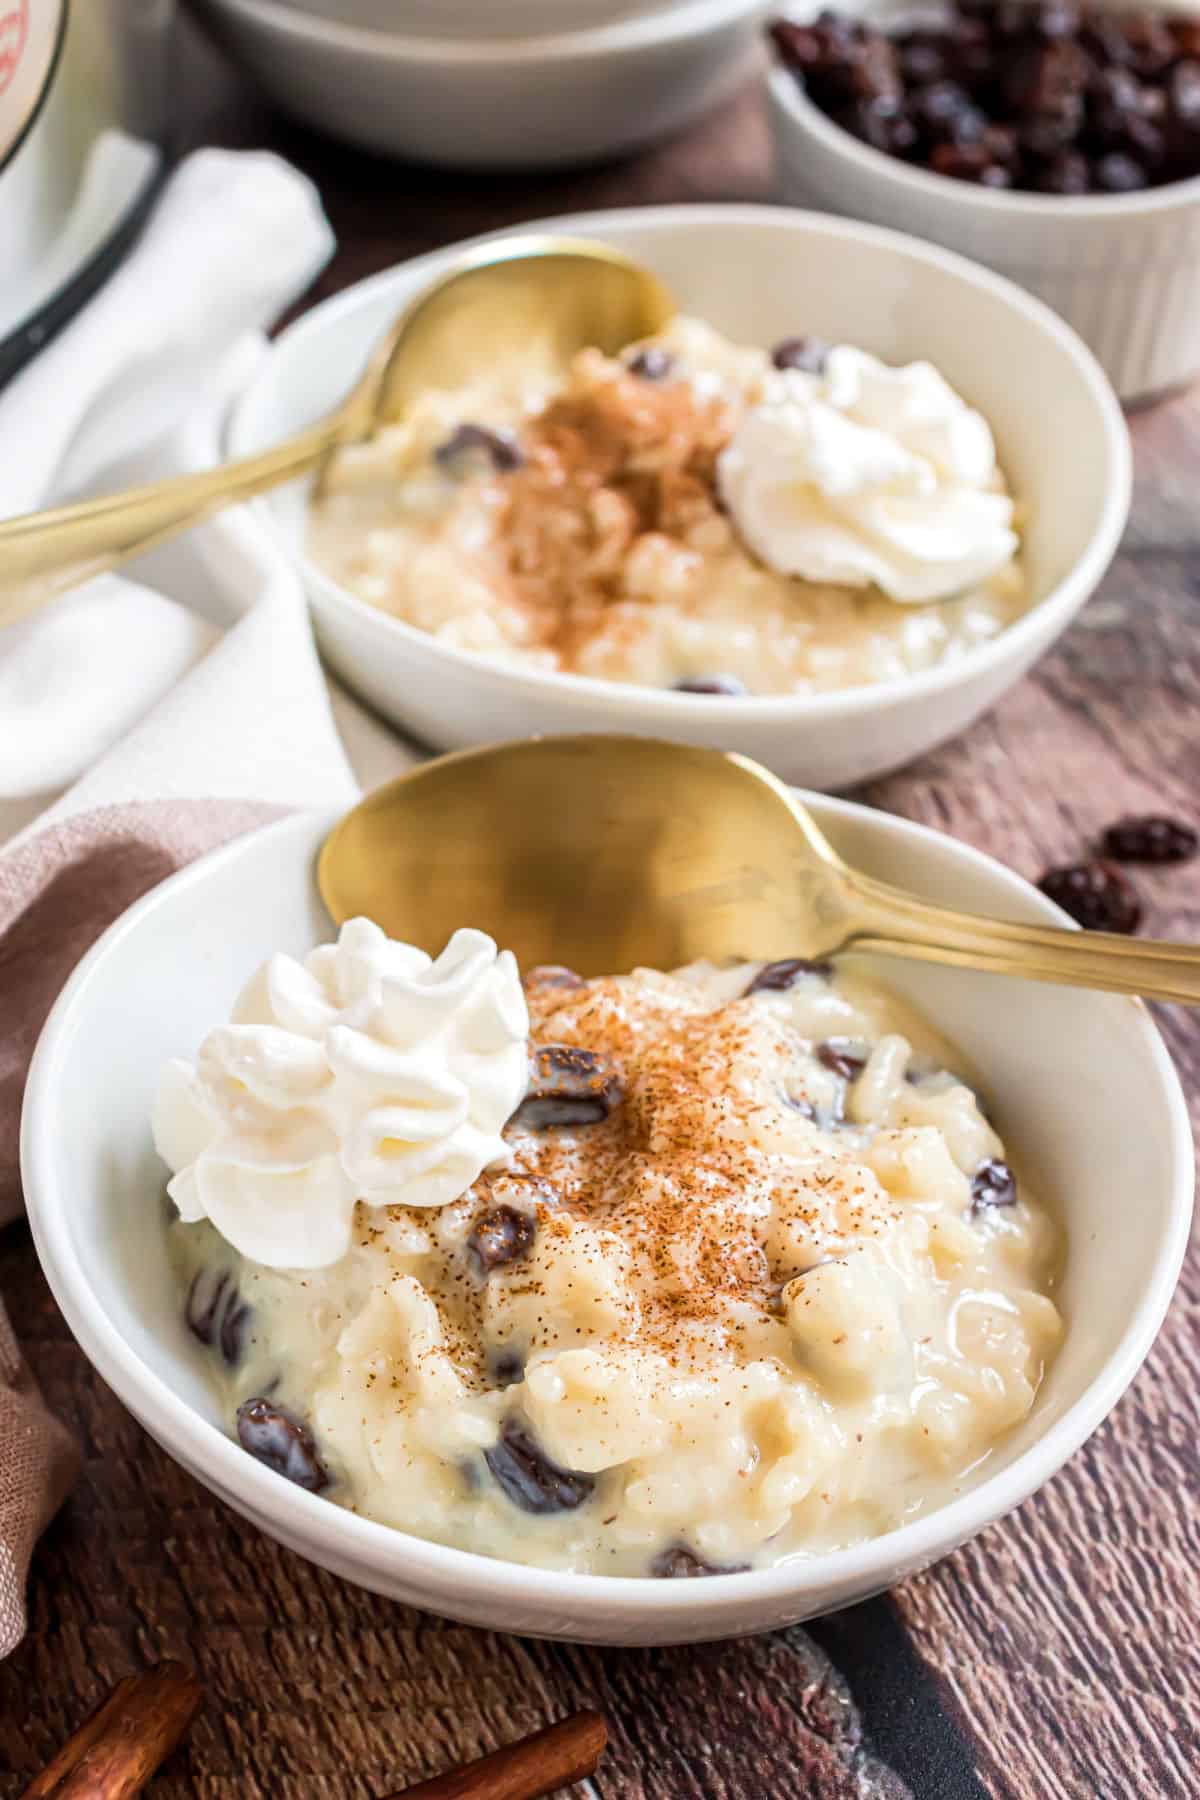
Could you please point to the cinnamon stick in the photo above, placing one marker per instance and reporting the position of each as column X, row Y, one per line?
column 537, row 1765
column 117, row 1749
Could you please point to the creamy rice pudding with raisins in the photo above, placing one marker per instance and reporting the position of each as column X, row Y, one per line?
column 665, row 1274
column 695, row 515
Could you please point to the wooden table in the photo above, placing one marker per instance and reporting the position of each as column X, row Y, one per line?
column 1057, row 1655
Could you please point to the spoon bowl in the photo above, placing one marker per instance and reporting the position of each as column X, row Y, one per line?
column 531, row 299
column 606, row 853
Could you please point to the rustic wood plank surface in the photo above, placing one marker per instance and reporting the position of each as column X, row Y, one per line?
column 1058, row 1655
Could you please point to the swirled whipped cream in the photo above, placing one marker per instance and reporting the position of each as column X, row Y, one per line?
column 369, row 1072
column 867, row 474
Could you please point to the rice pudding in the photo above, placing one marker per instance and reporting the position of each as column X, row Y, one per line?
column 655, row 1274
column 696, row 514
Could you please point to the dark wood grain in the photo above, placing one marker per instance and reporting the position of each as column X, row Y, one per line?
column 1057, row 1656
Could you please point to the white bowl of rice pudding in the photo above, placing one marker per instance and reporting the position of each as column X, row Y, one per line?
column 831, row 566
column 788, row 1279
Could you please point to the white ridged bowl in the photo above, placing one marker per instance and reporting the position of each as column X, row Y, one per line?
column 758, row 273
column 479, row 18
column 1081, row 1082
column 497, row 102
column 1123, row 269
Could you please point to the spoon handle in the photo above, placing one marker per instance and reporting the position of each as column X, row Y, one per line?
column 42, row 554
column 898, row 924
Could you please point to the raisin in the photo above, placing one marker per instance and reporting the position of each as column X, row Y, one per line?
column 1118, row 174
column 777, row 977
column 499, row 1236
column 1102, row 37
column 968, row 50
column 1096, row 895
column 1183, row 95
column 1186, row 33
column 936, row 108
column 553, row 975
column 1000, row 142
column 531, row 1481
column 726, row 685
column 233, row 1332
column 506, row 1368
column 923, row 60
column 903, row 137
column 568, row 1086
column 872, row 123
column 217, row 1314
column 993, row 1184
column 799, row 46
column 875, row 72
column 1057, row 19
column 1045, row 134
column 274, row 1436
column 204, row 1302
column 1049, row 80
column 652, row 364
column 474, row 447
column 680, row 1564
column 1152, row 839
column 837, row 1055
column 1067, row 174
column 965, row 162
column 1151, row 45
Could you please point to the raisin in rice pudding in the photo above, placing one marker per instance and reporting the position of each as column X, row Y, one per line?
column 696, row 515
column 665, row 1274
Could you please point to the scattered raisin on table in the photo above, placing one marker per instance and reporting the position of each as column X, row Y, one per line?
column 1096, row 895
column 1152, row 839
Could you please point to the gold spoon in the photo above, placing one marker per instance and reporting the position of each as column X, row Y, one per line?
column 529, row 302
column 605, row 853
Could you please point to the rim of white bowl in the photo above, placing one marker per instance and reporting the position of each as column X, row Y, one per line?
column 1060, row 604
column 964, row 197
column 373, row 1548
column 679, row 18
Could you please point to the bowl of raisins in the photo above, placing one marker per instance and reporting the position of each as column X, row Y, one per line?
column 1057, row 141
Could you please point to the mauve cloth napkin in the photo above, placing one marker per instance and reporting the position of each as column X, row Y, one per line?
column 225, row 719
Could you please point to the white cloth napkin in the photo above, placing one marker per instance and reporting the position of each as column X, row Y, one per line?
column 188, row 705
column 235, row 237
column 186, row 719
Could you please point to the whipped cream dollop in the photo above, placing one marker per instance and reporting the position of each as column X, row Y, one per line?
column 369, row 1072
column 867, row 474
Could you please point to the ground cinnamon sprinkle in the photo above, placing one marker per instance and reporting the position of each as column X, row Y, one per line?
column 673, row 1173
column 611, row 462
